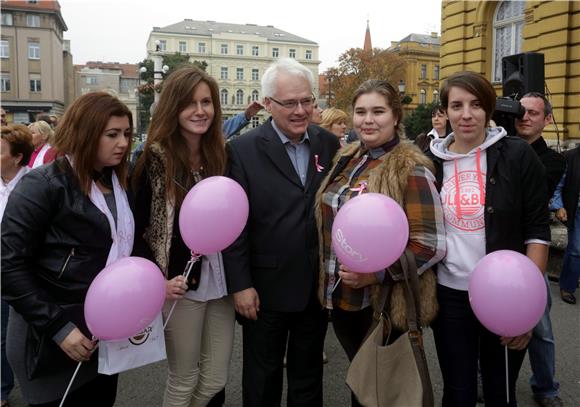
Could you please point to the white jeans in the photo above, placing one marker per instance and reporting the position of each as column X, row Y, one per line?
column 199, row 339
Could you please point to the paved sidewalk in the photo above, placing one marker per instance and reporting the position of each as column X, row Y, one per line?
column 144, row 387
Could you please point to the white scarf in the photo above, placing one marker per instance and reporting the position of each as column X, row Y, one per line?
column 124, row 233
column 6, row 189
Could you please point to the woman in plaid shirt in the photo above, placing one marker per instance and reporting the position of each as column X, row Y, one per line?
column 379, row 163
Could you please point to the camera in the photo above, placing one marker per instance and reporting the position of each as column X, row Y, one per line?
column 521, row 73
column 507, row 110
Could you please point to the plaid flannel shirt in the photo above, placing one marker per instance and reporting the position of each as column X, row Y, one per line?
column 422, row 207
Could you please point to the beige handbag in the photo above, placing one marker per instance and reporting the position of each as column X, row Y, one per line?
column 384, row 374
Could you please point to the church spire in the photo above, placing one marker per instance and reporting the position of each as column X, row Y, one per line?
column 368, row 45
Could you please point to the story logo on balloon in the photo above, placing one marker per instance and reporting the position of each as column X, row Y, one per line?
column 356, row 255
column 369, row 233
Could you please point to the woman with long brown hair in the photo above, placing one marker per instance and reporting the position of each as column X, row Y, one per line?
column 184, row 145
column 63, row 223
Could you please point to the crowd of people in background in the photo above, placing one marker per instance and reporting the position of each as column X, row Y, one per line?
column 71, row 204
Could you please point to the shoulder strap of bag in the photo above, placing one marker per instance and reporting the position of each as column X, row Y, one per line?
column 415, row 333
column 411, row 280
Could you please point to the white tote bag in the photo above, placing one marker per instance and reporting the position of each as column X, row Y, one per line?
column 142, row 349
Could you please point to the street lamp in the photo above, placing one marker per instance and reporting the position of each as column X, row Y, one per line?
column 402, row 87
column 138, row 123
column 329, row 90
column 158, row 70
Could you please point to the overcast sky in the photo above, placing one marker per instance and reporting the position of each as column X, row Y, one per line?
column 117, row 30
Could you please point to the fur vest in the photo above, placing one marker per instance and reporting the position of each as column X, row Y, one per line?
column 389, row 178
column 158, row 233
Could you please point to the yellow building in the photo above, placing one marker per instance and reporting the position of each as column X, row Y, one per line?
column 421, row 54
column 476, row 35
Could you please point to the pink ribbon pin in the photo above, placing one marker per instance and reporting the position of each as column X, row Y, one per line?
column 319, row 168
column 362, row 186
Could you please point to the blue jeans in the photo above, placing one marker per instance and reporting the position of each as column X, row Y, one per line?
column 571, row 265
column 542, row 351
column 7, row 375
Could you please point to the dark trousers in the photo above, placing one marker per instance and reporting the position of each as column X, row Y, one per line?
column 264, row 346
column 99, row 392
column 350, row 328
column 6, row 370
column 218, row 400
column 460, row 340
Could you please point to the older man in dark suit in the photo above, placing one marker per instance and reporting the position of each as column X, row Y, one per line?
column 272, row 267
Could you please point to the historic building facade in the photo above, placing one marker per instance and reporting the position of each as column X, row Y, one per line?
column 476, row 35
column 120, row 80
column 421, row 54
column 34, row 59
column 236, row 55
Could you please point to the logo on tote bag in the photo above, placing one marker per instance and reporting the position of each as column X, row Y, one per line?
column 142, row 336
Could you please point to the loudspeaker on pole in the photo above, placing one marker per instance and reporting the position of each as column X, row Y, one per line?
column 523, row 73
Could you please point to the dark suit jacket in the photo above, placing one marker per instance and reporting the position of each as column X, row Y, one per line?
column 277, row 253
column 554, row 163
column 571, row 187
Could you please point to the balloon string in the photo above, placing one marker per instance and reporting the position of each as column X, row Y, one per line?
column 507, row 379
column 73, row 377
column 194, row 259
column 336, row 284
column 70, row 384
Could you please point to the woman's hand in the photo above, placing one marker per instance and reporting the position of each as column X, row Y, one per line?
column 516, row 342
column 562, row 215
column 77, row 346
column 356, row 280
column 175, row 288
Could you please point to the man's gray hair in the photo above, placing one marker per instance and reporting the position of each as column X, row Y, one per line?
column 284, row 65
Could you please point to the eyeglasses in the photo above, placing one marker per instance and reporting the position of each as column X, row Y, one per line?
column 306, row 103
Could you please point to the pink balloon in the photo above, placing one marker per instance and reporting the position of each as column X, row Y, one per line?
column 507, row 293
column 213, row 215
column 369, row 233
column 124, row 298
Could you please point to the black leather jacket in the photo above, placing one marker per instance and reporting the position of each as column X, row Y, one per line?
column 54, row 243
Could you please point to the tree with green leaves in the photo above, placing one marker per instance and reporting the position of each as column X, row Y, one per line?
column 146, row 89
column 418, row 121
column 356, row 66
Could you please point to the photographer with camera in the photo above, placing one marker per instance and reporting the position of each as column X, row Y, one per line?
column 538, row 114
